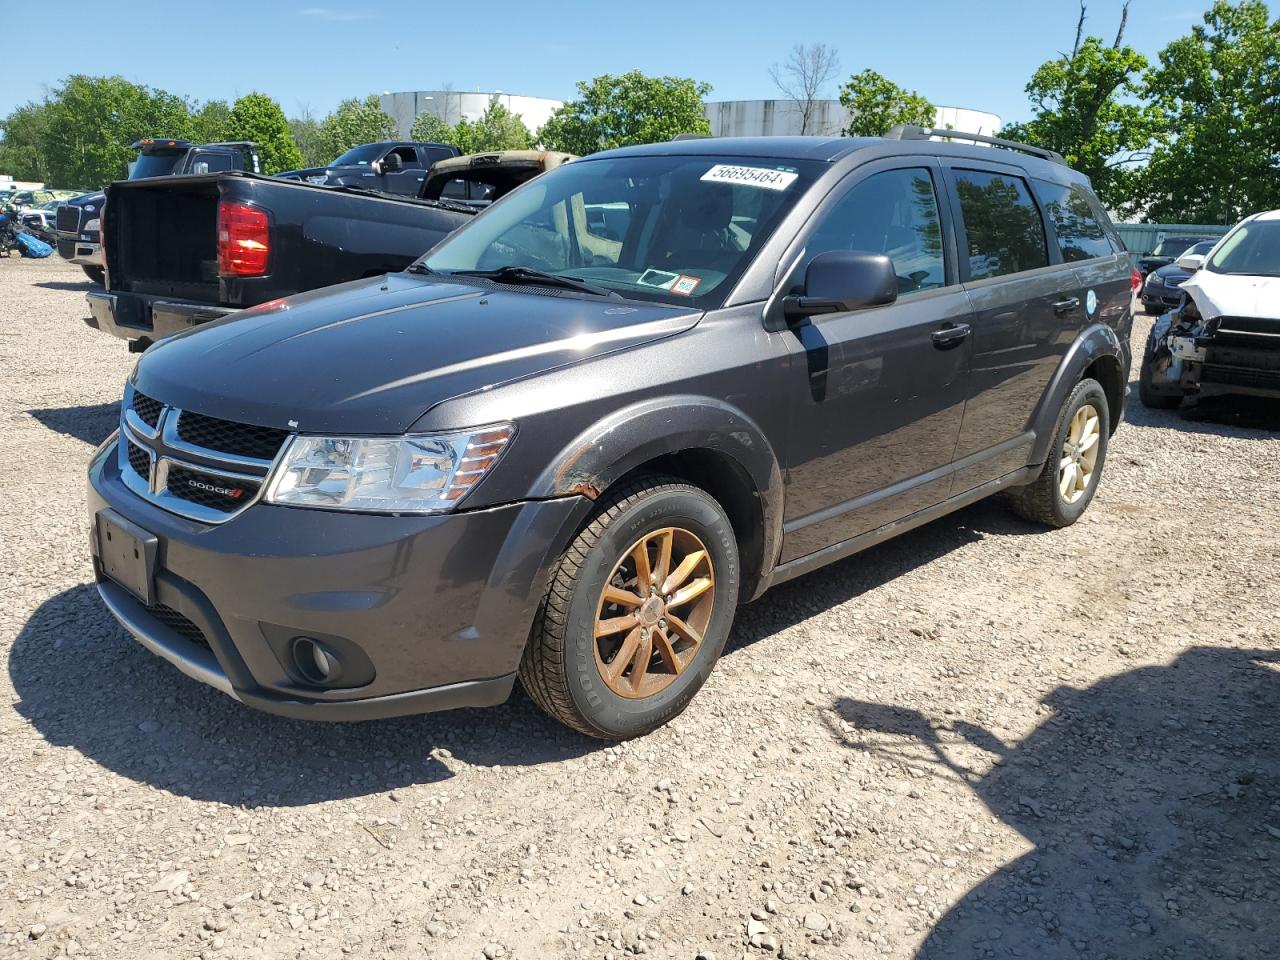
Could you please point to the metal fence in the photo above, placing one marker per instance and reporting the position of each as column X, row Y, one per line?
column 1141, row 238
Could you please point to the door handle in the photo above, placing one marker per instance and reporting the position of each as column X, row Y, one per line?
column 951, row 334
column 1062, row 306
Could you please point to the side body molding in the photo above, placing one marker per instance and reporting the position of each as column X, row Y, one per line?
column 1096, row 341
column 652, row 428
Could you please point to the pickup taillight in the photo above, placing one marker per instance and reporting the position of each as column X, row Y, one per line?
column 244, row 240
column 1135, row 280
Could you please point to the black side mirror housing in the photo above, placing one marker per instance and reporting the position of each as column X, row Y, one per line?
column 839, row 281
column 392, row 163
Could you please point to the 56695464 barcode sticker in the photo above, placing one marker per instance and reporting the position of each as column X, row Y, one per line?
column 761, row 177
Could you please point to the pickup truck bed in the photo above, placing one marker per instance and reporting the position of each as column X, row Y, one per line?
column 162, row 246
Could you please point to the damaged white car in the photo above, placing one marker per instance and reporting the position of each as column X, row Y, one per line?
column 1224, row 338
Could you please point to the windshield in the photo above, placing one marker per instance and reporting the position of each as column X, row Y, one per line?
column 674, row 229
column 155, row 165
column 1252, row 249
column 359, row 156
column 1172, row 247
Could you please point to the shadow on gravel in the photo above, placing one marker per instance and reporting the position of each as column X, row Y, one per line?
column 90, row 424
column 1153, row 801
column 1225, row 416
column 83, row 682
column 83, row 285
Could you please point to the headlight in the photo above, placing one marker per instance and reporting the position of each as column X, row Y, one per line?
column 91, row 226
column 420, row 474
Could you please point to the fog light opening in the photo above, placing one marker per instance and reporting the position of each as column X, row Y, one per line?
column 315, row 662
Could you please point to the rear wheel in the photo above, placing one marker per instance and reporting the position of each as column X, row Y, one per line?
column 1062, row 492
column 638, row 610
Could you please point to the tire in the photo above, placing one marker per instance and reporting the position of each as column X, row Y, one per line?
column 564, row 665
column 1042, row 500
column 1151, row 397
column 96, row 274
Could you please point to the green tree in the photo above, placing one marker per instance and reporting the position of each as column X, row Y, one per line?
column 1217, row 96
column 1082, row 107
column 211, row 122
column 93, row 120
column 257, row 117
column 305, row 129
column 22, row 137
column 498, row 129
column 876, row 104
column 619, row 110
column 353, row 123
column 428, row 128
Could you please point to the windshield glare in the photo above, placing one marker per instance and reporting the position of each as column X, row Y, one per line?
column 155, row 165
column 674, row 229
column 1252, row 249
column 360, row 156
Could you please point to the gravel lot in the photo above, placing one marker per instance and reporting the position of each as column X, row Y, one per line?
column 978, row 740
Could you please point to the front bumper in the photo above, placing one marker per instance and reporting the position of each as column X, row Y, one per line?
column 437, row 607
column 1162, row 298
column 131, row 316
column 87, row 253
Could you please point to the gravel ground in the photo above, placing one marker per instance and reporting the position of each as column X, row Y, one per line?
column 978, row 740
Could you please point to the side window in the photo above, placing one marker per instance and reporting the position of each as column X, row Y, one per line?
column 408, row 156
column 1080, row 233
column 212, row 163
column 895, row 212
column 1003, row 225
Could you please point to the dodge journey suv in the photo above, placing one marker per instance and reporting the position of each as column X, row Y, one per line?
column 568, row 441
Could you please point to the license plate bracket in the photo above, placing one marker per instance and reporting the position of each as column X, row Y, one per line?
column 127, row 554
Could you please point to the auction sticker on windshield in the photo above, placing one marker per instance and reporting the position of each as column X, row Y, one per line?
column 750, row 176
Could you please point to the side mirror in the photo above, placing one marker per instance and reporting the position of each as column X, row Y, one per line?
column 842, row 280
column 392, row 163
column 1191, row 261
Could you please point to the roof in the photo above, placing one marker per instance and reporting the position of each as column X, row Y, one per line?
column 774, row 148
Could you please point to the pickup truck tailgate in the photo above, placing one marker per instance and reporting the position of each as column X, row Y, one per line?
column 163, row 237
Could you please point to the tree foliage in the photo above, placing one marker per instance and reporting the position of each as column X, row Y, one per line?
column 211, row 122
column 1081, row 107
column 93, row 120
column 1216, row 92
column 355, row 122
column 305, row 129
column 257, row 117
column 617, row 110
column 802, row 78
column 876, row 104
column 22, row 136
column 496, row 129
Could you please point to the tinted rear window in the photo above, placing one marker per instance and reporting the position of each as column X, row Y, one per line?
column 1080, row 233
column 1002, row 223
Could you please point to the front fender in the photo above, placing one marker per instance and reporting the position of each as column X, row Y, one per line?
column 633, row 436
column 1093, row 343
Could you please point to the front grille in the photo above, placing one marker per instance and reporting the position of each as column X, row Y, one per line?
column 1240, row 377
column 68, row 219
column 209, row 490
column 139, row 460
column 147, row 409
column 225, row 436
column 182, row 626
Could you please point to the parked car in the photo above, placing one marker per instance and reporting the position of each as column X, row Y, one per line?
column 183, row 251
column 397, row 166
column 548, row 451
column 40, row 221
column 1224, row 337
column 78, row 219
column 1166, row 252
column 1162, row 288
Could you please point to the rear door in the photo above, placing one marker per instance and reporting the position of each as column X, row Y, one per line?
column 1027, row 310
column 878, row 393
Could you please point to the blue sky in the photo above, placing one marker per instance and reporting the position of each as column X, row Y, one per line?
column 316, row 52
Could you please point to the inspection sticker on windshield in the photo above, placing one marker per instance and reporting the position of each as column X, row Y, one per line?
column 685, row 285
column 750, row 176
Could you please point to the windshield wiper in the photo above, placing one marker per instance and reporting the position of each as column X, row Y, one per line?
column 419, row 267
column 528, row 275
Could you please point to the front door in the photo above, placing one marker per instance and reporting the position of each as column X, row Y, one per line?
column 879, row 393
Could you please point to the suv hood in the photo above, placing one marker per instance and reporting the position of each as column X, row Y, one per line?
column 372, row 356
column 1234, row 295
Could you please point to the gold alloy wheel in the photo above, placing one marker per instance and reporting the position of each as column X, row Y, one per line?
column 1079, row 454
column 653, row 612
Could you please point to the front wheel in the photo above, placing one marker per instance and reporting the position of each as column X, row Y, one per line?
column 1153, row 384
column 96, row 274
column 638, row 610
column 1062, row 492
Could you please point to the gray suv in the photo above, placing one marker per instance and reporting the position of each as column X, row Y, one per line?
column 567, row 442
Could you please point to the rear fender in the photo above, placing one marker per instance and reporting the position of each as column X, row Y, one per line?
column 1095, row 342
column 629, row 438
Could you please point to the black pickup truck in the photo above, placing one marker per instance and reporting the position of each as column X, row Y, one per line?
column 393, row 166
column 78, row 219
column 182, row 251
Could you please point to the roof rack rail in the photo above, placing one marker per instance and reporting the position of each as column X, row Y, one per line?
column 690, row 136
column 906, row 131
